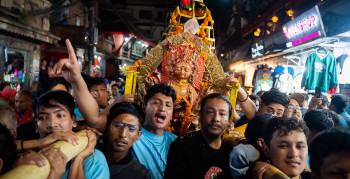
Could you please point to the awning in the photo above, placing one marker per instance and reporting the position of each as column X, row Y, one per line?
column 27, row 31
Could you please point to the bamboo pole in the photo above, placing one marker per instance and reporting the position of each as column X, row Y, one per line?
column 35, row 172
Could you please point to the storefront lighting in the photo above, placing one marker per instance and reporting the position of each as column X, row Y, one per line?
column 274, row 19
column 139, row 42
column 290, row 12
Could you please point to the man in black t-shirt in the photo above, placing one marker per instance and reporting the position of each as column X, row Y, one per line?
column 123, row 129
column 203, row 154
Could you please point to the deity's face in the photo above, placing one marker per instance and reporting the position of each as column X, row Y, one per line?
column 183, row 70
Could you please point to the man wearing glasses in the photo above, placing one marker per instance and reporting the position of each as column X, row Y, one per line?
column 293, row 109
column 122, row 130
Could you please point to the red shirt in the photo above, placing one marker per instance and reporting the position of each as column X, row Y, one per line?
column 28, row 116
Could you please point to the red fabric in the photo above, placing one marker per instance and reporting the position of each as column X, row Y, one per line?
column 185, row 2
column 8, row 93
column 332, row 90
column 28, row 116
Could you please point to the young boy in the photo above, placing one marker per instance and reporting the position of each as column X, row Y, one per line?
column 285, row 146
column 55, row 117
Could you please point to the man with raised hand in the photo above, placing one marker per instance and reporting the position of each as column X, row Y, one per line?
column 152, row 148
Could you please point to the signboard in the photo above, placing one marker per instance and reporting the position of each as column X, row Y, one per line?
column 303, row 28
column 258, row 49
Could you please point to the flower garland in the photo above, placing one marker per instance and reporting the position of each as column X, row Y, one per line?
column 185, row 119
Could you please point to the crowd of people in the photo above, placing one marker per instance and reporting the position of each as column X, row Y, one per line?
column 292, row 136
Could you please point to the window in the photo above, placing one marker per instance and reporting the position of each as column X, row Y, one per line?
column 145, row 14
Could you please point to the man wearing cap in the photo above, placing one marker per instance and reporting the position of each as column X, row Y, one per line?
column 293, row 109
column 8, row 96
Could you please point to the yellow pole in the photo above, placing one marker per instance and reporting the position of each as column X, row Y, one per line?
column 35, row 172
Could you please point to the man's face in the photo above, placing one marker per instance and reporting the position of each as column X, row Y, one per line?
column 159, row 111
column 215, row 117
column 288, row 153
column 101, row 95
column 123, row 132
column 54, row 119
column 293, row 109
column 274, row 109
column 22, row 103
column 115, row 91
column 334, row 166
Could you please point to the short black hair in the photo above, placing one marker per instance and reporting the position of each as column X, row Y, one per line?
column 340, row 102
column 326, row 143
column 218, row 96
column 274, row 96
column 318, row 120
column 93, row 82
column 160, row 88
column 331, row 114
column 125, row 108
column 50, row 83
column 60, row 97
column 255, row 128
column 115, row 85
column 8, row 151
column 284, row 126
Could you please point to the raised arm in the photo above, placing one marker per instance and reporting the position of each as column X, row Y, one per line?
column 70, row 70
column 245, row 102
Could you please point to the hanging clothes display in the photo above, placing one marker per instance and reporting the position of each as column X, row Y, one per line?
column 320, row 72
column 343, row 63
column 284, row 82
column 263, row 78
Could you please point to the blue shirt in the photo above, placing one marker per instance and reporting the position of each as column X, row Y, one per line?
column 152, row 151
column 95, row 166
column 343, row 117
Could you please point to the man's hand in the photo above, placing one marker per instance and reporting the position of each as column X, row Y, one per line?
column 69, row 137
column 90, row 147
column 315, row 102
column 126, row 98
column 31, row 158
column 259, row 169
column 69, row 68
column 58, row 162
column 55, row 157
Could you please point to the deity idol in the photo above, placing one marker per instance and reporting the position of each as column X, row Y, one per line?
column 187, row 64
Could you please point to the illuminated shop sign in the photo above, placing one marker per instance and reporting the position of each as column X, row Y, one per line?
column 304, row 28
column 258, row 49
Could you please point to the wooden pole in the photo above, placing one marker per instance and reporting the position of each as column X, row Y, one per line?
column 35, row 172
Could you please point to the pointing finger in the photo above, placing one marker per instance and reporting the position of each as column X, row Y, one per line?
column 71, row 52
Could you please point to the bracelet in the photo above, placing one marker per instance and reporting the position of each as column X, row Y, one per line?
column 22, row 145
column 243, row 100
